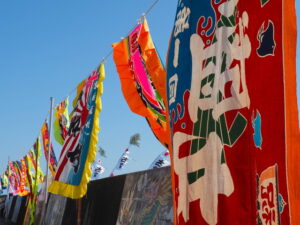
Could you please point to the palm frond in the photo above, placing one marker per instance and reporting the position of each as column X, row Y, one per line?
column 135, row 140
column 102, row 152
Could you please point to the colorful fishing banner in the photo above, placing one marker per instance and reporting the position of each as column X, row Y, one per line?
column 45, row 138
column 36, row 181
column 29, row 172
column 1, row 186
column 31, row 157
column 17, row 168
column 232, row 106
column 14, row 178
column 4, row 180
column 79, row 149
column 37, row 155
column 143, row 79
column 163, row 159
column 62, row 122
column 35, row 175
column 23, row 190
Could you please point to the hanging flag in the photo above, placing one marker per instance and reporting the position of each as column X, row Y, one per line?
column 31, row 156
column 45, row 138
column 35, row 176
column 143, row 79
column 1, row 187
column 31, row 170
column 61, row 123
column 123, row 160
column 27, row 179
column 17, row 168
column 162, row 160
column 227, row 126
column 97, row 169
column 32, row 162
column 37, row 152
column 80, row 146
column 28, row 172
column 4, row 180
column 34, row 172
column 14, row 178
column 23, row 181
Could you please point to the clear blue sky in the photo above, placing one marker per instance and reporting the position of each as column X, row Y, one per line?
column 48, row 47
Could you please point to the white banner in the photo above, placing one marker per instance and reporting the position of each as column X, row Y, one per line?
column 162, row 160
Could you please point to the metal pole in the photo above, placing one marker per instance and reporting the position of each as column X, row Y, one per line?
column 49, row 146
column 42, row 220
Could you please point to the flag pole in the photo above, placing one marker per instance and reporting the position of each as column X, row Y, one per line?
column 49, row 146
column 42, row 221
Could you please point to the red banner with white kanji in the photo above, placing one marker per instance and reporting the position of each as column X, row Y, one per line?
column 233, row 111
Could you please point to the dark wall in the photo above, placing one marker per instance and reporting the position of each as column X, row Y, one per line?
column 138, row 198
column 99, row 206
column 102, row 202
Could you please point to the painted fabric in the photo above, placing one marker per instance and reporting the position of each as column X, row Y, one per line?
column 11, row 182
column 29, row 172
column 123, row 160
column 61, row 123
column 32, row 163
column 1, row 187
column 79, row 149
column 26, row 175
column 161, row 160
column 14, row 178
column 23, row 180
column 143, row 79
column 36, row 176
column 37, row 155
column 4, row 180
column 232, row 104
column 45, row 138
column 17, row 168
column 16, row 171
column 32, row 158
column 147, row 199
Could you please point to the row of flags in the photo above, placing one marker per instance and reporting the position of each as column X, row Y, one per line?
column 210, row 109
column 143, row 81
column 78, row 135
column 23, row 177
